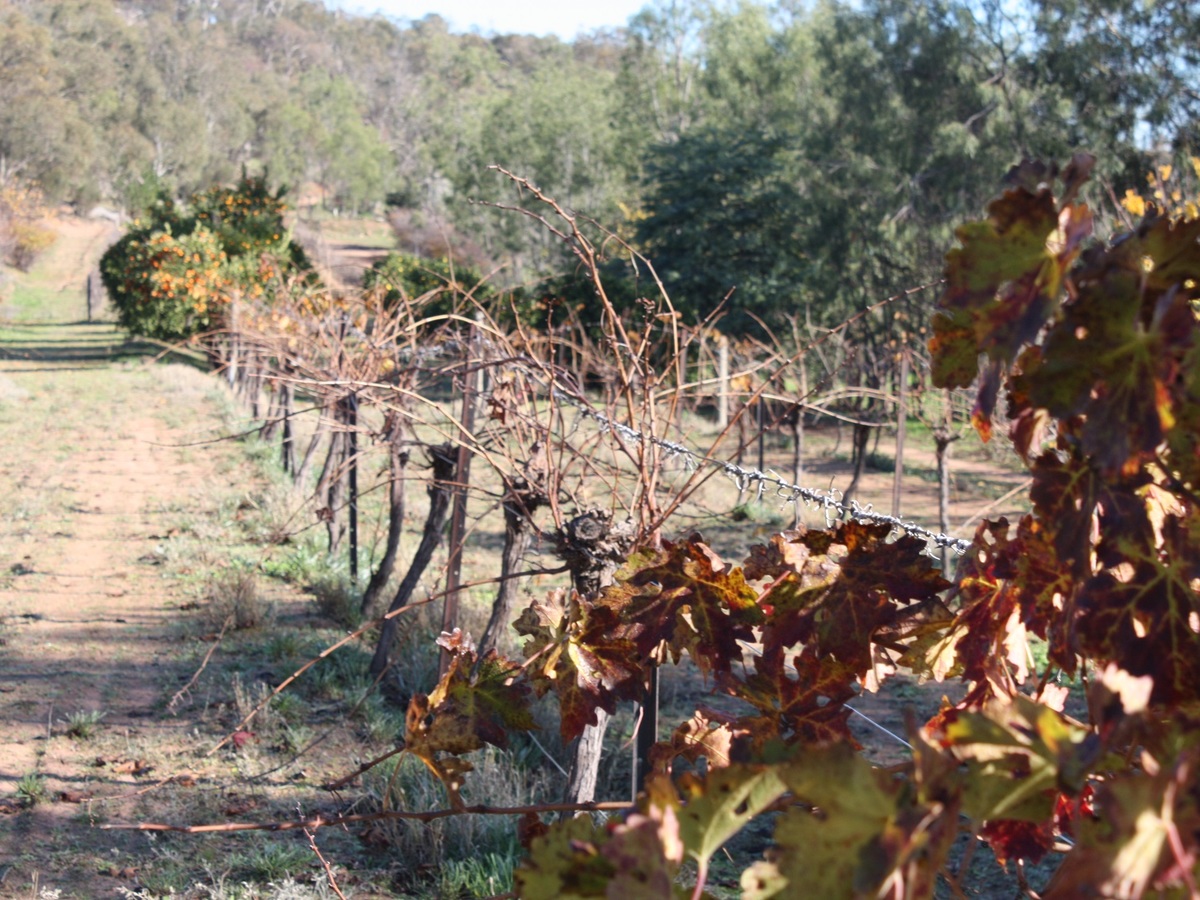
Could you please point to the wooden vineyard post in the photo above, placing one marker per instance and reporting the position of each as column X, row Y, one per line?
column 458, row 515
column 901, row 422
column 647, row 732
column 798, row 437
column 762, row 433
column 722, row 382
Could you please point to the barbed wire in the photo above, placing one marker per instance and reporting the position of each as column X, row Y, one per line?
column 745, row 479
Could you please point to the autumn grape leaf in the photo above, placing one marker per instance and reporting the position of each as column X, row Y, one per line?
column 1126, row 850
column 853, row 832
column 1143, row 614
column 704, row 735
column 850, row 589
column 1004, row 284
column 1019, row 755
column 580, row 650
column 808, row 708
column 688, row 597
column 466, row 710
column 636, row 858
column 1016, row 839
column 1008, row 584
column 1115, row 357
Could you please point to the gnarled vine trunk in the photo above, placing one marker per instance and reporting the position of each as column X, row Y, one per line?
column 444, row 462
column 593, row 547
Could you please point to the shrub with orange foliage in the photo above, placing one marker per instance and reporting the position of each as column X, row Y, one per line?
column 22, row 236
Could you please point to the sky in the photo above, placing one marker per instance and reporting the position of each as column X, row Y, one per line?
column 564, row 18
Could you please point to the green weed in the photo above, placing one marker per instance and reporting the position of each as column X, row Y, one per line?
column 31, row 790
column 82, row 725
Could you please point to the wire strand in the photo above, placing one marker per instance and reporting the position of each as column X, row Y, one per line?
column 746, row 479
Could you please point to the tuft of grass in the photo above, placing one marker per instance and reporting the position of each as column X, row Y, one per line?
column 337, row 599
column 82, row 725
column 474, row 855
column 234, row 594
column 31, row 790
column 483, row 876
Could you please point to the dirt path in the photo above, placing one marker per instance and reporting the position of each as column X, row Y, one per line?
column 88, row 492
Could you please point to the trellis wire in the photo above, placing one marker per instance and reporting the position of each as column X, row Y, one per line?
column 746, row 479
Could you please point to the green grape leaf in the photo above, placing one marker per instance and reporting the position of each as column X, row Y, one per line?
column 717, row 807
column 851, row 833
column 636, row 858
column 686, row 596
column 566, row 863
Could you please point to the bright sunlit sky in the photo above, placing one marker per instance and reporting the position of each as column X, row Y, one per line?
column 565, row 18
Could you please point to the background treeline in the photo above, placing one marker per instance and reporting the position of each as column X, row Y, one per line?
column 812, row 156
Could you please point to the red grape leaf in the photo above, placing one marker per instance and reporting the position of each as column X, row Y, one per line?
column 809, row 708
column 686, row 596
column 1015, row 839
column 848, row 592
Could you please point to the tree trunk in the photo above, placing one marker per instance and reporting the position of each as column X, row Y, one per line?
column 798, row 441
column 398, row 462
column 901, row 428
column 330, row 489
column 444, row 460
column 942, row 440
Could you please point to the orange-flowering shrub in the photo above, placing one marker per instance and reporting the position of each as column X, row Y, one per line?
column 167, row 287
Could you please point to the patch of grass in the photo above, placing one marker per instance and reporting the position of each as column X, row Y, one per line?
column 469, row 853
column 483, row 876
column 273, row 861
column 337, row 599
column 233, row 594
column 82, row 725
column 382, row 722
column 31, row 790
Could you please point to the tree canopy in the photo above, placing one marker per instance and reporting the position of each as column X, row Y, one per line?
column 798, row 155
